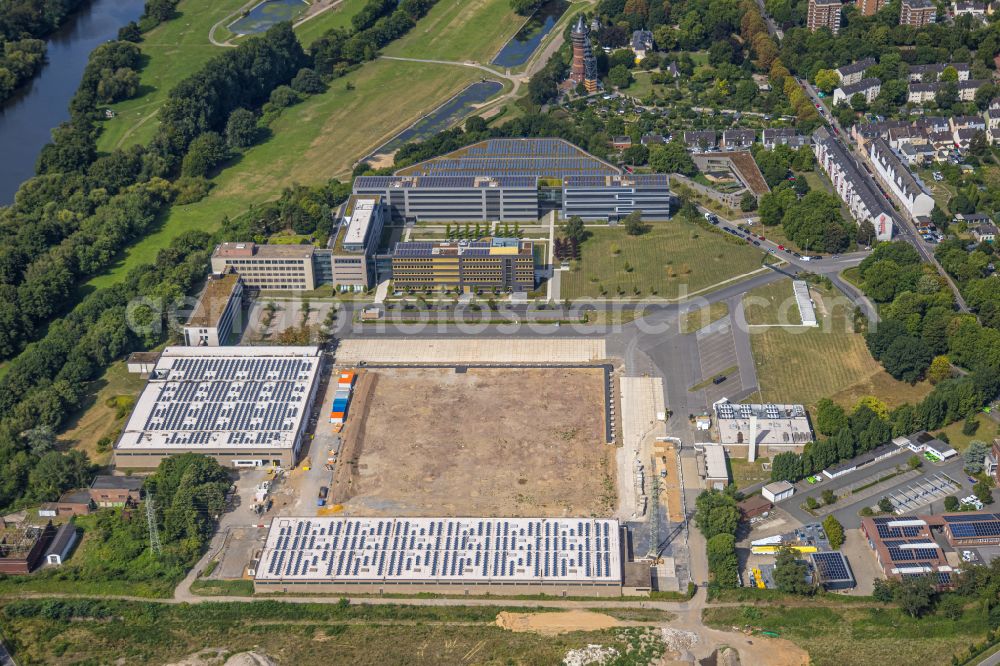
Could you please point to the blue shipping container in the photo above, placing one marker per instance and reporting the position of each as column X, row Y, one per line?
column 339, row 405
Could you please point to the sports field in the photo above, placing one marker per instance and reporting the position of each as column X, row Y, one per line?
column 460, row 30
column 802, row 365
column 311, row 143
column 669, row 260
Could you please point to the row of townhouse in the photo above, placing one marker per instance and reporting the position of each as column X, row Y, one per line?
column 852, row 184
column 897, row 178
column 921, row 93
column 869, row 88
column 734, row 139
column 931, row 138
column 855, row 71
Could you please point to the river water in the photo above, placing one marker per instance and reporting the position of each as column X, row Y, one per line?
column 27, row 119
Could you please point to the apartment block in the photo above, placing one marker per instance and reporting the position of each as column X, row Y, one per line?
column 823, row 14
column 917, row 13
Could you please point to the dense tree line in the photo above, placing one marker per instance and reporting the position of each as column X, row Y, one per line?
column 979, row 283
column 304, row 210
column 22, row 25
column 717, row 517
column 378, row 23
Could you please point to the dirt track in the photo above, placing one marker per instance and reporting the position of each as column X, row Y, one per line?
column 494, row 442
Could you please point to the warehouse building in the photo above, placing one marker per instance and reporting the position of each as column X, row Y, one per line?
column 559, row 556
column 780, row 427
column 243, row 406
column 904, row 547
column 516, row 179
column 833, row 571
column 218, row 309
column 505, row 264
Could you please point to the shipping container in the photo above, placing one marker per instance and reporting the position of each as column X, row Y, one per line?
column 339, row 405
column 342, row 394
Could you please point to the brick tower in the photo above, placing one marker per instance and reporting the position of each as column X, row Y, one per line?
column 584, row 64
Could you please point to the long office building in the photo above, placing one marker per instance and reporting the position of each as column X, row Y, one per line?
column 852, row 185
column 517, row 179
column 506, row 264
column 559, row 556
column 268, row 266
column 243, row 406
column 351, row 254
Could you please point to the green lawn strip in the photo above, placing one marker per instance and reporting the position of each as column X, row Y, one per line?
column 846, row 636
column 460, row 30
column 772, row 304
column 310, row 143
column 671, row 259
column 337, row 17
column 699, row 319
column 708, row 382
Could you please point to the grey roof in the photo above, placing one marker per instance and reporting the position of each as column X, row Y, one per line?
column 918, row 4
column 861, row 86
column 924, row 87
column 62, row 540
column 108, row 482
column 642, row 39
column 972, row 83
column 968, row 121
column 861, row 183
column 696, row 136
column 902, row 176
column 855, row 67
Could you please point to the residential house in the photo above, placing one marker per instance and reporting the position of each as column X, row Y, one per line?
column 930, row 73
column 869, row 87
column 985, row 233
column 917, row 13
column 642, row 44
column 899, row 180
column 783, row 136
column 992, row 116
column 823, row 14
column 651, row 139
column 863, row 133
column 967, row 89
column 621, row 142
column 933, row 123
column 700, row 140
column 969, row 8
column 850, row 74
column 921, row 93
column 734, row 139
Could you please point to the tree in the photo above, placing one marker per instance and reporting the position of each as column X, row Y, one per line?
column 939, row 370
column 907, row 358
column 748, row 202
column 672, row 158
column 951, row 606
column 130, row 32
column 205, row 152
column 56, row 473
column 620, row 76
column 637, row 154
column 914, row 595
column 526, row 7
column 241, row 128
column 308, row 82
column 830, row 417
column 951, row 503
column 975, row 456
column 811, row 503
column 786, row 466
column 40, row 439
column 913, row 462
column 983, row 492
column 574, row 230
column 884, row 590
column 790, row 574
column 970, row 425
column 722, row 562
column 885, row 505
column 834, row 531
column 716, row 513
column 826, row 80
column 859, row 102
column 829, row 497
column 633, row 223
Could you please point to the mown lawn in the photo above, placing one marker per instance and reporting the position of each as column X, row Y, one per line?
column 293, row 634
column 772, row 304
column 846, row 636
column 802, row 365
column 338, row 17
column 460, row 30
column 698, row 319
column 310, row 143
column 671, row 259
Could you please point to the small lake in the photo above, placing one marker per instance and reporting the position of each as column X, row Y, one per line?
column 266, row 14
column 520, row 47
column 443, row 117
column 27, row 118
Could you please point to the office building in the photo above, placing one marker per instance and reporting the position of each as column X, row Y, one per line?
column 556, row 556
column 852, row 185
column 267, row 266
column 614, row 197
column 219, row 307
column 917, row 13
column 896, row 177
column 243, row 406
column 823, row 14
column 355, row 242
column 783, row 426
column 456, row 198
column 505, row 264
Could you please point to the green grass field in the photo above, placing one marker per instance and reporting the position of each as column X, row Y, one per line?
column 303, row 634
column 338, row 17
column 702, row 317
column 846, row 636
column 460, row 30
column 671, row 259
column 311, row 143
column 771, row 304
column 802, row 365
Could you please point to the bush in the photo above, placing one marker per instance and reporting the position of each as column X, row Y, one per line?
column 951, row 503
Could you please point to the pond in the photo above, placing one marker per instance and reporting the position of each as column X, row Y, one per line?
column 443, row 117
column 266, row 14
column 520, row 47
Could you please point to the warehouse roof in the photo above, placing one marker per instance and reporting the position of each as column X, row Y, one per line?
column 223, row 397
column 473, row 550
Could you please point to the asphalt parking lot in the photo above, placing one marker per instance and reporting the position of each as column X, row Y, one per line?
column 717, row 355
column 921, row 492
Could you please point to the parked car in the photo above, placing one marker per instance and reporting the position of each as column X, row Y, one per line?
column 781, row 247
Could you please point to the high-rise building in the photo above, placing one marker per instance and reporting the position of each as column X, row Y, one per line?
column 584, row 64
column 869, row 7
column 917, row 13
column 824, row 14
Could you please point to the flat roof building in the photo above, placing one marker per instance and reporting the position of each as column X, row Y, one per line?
column 777, row 491
column 218, row 309
column 615, row 197
column 833, row 571
column 753, row 506
column 243, row 406
column 823, row 14
column 716, row 471
column 268, row 266
column 560, row 556
column 354, row 244
column 917, row 13
column 22, row 547
column 506, row 264
column 800, row 288
column 779, row 426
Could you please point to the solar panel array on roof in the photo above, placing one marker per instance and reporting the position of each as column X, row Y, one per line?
column 907, row 551
column 888, row 531
column 974, row 526
column 832, row 566
column 442, row 549
column 550, row 158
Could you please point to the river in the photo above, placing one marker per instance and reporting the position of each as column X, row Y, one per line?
column 27, row 119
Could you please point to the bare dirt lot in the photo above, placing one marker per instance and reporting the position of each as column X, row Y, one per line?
column 485, row 442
